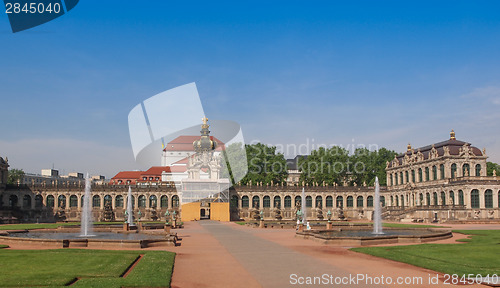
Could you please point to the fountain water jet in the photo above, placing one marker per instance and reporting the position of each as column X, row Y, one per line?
column 86, row 221
column 303, row 207
column 377, row 214
column 129, row 207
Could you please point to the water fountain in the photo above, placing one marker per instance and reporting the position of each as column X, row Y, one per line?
column 130, row 210
column 304, row 215
column 377, row 214
column 86, row 221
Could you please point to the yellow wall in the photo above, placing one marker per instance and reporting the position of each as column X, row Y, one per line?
column 219, row 211
column 190, row 211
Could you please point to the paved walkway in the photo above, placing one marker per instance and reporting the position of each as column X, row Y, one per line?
column 216, row 254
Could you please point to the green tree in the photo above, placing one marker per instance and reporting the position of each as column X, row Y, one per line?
column 263, row 164
column 15, row 176
column 490, row 166
column 368, row 164
column 329, row 165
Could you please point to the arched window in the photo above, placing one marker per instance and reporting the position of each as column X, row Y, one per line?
column 401, row 177
column 256, row 202
column 421, row 198
column 474, row 198
column 153, row 201
column 397, row 200
column 119, row 201
column 428, row 199
column 340, row 201
column 392, row 201
column 392, row 182
column 244, row 202
column 61, row 201
column 50, row 201
column 488, row 199
column 435, row 198
column 443, row 198
column 329, row 201
column 164, row 201
column 434, row 172
column 309, row 201
column 402, row 201
column 96, row 201
column 38, row 201
column 478, row 170
column 319, row 202
column 406, row 177
column 461, row 197
column 441, row 170
column 175, row 201
column 382, row 200
column 452, row 198
column 396, row 178
column 277, row 202
column 298, row 201
column 350, row 201
column 141, row 201
column 413, row 176
column 420, row 179
column 369, row 201
column 466, row 170
column 234, row 202
column 107, row 200
column 453, row 171
column 426, row 173
column 73, row 201
column 288, row 202
column 359, row 201
column 266, row 202
column 26, row 201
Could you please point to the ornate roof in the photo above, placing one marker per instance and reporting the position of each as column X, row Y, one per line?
column 452, row 147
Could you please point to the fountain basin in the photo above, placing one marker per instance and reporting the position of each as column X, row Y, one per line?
column 363, row 237
column 102, row 240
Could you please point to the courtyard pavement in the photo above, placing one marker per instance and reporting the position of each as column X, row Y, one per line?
column 221, row 254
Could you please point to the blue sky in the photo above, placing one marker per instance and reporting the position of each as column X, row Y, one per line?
column 290, row 72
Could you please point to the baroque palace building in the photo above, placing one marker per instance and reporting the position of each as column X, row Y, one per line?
column 442, row 182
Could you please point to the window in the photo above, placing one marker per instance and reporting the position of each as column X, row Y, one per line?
column 298, row 201
column 277, row 202
column 152, row 201
column 413, row 176
column 359, row 201
column 244, row 202
column 38, row 201
column 50, row 201
column 406, row 177
column 461, row 197
column 428, row 199
column 478, row 170
column 329, row 201
column 392, row 201
column 141, row 201
column 488, row 199
column 392, row 182
column 119, row 201
column 96, row 201
column 396, row 177
column 401, row 177
column 340, row 201
column 474, row 198
column 419, row 174
column 350, row 201
column 309, row 201
column 175, row 201
column 435, row 198
column 288, row 202
column 27, row 201
column 421, row 198
column 397, row 201
column 466, row 170
column 107, row 200
column 402, row 201
column 452, row 198
column 382, row 200
column 73, row 201
column 266, row 202
column 369, row 201
column 441, row 169
column 233, row 204
column 434, row 172
column 443, row 198
column 453, row 171
column 319, row 202
column 426, row 173
column 255, row 202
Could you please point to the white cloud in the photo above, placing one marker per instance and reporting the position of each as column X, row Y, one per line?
column 490, row 94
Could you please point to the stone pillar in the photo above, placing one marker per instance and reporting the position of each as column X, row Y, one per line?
column 482, row 202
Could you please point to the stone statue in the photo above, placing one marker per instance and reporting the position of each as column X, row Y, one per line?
column 329, row 215
column 494, row 173
column 261, row 214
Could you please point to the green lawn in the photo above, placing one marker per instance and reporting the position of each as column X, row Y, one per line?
column 478, row 256
column 96, row 268
column 409, row 225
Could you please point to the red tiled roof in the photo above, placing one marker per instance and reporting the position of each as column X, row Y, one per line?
column 128, row 175
column 185, row 143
